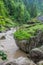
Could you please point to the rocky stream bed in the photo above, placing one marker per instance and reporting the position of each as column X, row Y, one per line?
column 18, row 57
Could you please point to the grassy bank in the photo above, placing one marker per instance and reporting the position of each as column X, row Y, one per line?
column 27, row 32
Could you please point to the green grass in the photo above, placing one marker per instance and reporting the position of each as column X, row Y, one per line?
column 22, row 34
column 27, row 32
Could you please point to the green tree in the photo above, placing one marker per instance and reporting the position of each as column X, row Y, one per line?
column 33, row 10
column 21, row 15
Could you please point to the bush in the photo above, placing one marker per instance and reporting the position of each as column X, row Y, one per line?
column 3, row 55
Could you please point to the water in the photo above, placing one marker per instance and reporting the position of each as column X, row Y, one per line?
column 9, row 45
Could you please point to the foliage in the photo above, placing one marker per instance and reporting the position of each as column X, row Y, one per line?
column 5, row 23
column 22, row 34
column 37, row 3
column 3, row 55
column 33, row 10
column 27, row 32
column 13, row 12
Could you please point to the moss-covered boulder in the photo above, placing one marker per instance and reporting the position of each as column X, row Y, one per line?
column 29, row 37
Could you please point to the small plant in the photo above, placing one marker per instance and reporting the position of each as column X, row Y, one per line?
column 3, row 55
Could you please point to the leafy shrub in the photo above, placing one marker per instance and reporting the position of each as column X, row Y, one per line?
column 3, row 55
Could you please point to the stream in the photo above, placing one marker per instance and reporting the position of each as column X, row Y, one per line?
column 9, row 45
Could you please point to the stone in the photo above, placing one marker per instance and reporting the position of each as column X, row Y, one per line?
column 23, row 45
column 33, row 42
column 36, row 54
column 3, row 37
column 20, row 61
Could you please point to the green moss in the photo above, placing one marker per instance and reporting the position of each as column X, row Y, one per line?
column 26, row 33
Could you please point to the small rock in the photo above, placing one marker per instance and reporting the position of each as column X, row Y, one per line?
column 3, row 37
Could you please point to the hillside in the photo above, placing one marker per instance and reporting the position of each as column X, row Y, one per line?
column 37, row 3
column 8, row 7
column 13, row 12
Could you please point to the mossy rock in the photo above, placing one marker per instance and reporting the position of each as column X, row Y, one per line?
column 29, row 38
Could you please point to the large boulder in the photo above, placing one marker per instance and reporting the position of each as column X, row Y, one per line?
column 20, row 61
column 34, row 41
column 36, row 54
